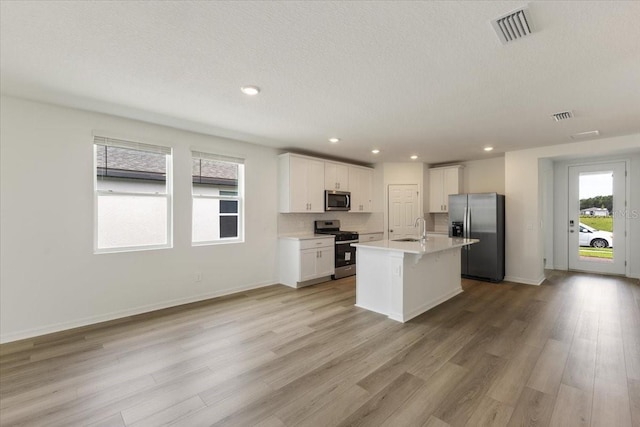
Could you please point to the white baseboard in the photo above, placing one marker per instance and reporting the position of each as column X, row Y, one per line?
column 63, row 326
column 371, row 309
column 398, row 317
column 429, row 305
column 524, row 281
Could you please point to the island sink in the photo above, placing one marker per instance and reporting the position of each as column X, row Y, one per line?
column 407, row 239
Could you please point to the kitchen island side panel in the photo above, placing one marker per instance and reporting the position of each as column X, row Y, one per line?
column 404, row 285
column 376, row 282
column 434, row 279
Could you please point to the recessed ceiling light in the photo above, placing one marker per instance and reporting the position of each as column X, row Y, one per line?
column 250, row 90
column 414, row 157
column 376, row 151
column 334, row 140
column 488, row 148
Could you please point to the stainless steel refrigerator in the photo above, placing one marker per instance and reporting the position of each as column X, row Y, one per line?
column 479, row 216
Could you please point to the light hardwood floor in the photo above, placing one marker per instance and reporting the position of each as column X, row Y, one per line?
column 565, row 353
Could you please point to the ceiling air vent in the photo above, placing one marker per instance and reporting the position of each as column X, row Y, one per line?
column 565, row 115
column 513, row 26
column 586, row 135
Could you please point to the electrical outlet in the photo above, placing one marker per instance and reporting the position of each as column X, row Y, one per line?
column 198, row 277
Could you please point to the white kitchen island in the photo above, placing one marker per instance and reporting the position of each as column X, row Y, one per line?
column 404, row 279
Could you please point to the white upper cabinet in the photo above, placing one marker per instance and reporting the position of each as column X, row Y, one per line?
column 302, row 181
column 443, row 182
column 301, row 184
column 361, row 186
column 336, row 176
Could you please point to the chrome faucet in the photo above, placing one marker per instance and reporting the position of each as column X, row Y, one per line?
column 423, row 238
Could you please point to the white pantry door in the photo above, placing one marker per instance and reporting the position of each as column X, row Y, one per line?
column 403, row 210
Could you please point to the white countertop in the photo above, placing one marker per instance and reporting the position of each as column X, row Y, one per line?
column 309, row 235
column 304, row 236
column 433, row 244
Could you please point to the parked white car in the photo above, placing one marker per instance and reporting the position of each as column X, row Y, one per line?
column 589, row 236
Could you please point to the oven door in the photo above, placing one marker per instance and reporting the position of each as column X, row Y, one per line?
column 345, row 253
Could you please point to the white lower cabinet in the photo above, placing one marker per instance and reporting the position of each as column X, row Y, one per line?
column 306, row 261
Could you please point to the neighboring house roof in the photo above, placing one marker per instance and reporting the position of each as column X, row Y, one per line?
column 130, row 160
column 116, row 162
column 213, row 169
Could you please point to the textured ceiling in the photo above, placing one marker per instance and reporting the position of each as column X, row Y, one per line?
column 426, row 78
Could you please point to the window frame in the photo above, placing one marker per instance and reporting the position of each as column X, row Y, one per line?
column 127, row 144
column 239, row 198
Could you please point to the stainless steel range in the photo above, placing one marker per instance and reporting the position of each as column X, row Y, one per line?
column 345, row 261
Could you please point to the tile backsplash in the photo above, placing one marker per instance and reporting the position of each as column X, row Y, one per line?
column 303, row 222
column 440, row 222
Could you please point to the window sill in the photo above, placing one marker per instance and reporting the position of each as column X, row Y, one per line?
column 218, row 242
column 131, row 249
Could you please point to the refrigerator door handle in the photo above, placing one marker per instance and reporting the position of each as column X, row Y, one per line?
column 465, row 228
column 468, row 223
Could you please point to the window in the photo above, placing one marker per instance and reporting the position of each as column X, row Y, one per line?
column 217, row 198
column 132, row 195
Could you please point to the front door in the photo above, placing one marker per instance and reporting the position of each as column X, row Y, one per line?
column 597, row 226
column 403, row 210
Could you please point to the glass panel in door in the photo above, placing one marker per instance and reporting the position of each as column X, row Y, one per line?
column 596, row 193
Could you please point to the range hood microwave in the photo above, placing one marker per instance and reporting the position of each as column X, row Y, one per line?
column 337, row 200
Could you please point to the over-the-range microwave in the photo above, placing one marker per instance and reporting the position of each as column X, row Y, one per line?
column 337, row 200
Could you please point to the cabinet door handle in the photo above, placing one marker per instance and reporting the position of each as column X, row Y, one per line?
column 445, row 207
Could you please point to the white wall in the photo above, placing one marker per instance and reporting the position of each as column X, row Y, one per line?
column 483, row 176
column 51, row 280
column 524, row 225
column 547, row 206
